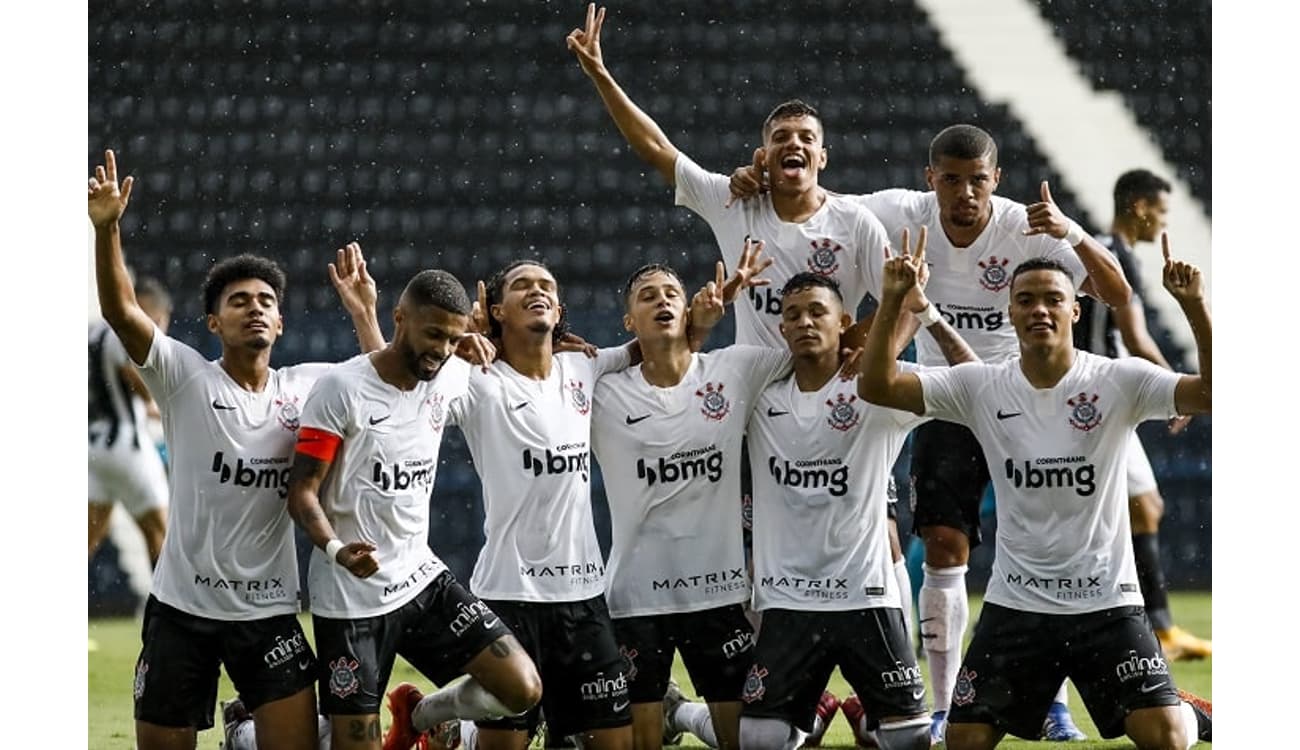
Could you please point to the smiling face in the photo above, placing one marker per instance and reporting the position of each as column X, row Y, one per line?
column 529, row 300
column 426, row 336
column 796, row 154
column 1043, row 309
column 656, row 307
column 247, row 315
column 812, row 321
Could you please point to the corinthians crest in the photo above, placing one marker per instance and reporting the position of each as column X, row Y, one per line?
column 437, row 412
column 843, row 416
column 579, row 398
column 288, row 414
column 823, row 260
column 714, row 404
column 995, row 277
column 1084, row 413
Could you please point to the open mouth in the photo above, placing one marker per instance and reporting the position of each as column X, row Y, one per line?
column 539, row 305
column 665, row 317
column 792, row 165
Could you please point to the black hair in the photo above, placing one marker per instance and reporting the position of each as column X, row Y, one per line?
column 644, row 271
column 440, row 289
column 496, row 285
column 238, row 268
column 963, row 142
column 153, row 289
column 806, row 280
column 1040, row 264
column 792, row 108
column 1136, row 184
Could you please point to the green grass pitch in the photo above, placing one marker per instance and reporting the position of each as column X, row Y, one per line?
column 110, row 673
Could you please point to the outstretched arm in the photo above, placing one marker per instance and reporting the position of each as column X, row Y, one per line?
column 358, row 293
column 106, row 203
column 1105, row 279
column 642, row 134
column 881, row 382
column 1192, row 395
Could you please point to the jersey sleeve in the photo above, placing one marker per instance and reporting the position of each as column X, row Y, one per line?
column 893, row 208
column 460, row 408
column 1061, row 252
column 872, row 241
column 947, row 390
column 1152, row 388
column 906, row 420
column 611, row 359
column 327, row 407
column 308, row 373
column 700, row 190
column 759, row 367
column 168, row 365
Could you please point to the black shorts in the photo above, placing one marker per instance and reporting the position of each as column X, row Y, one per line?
column 176, row 674
column 716, row 646
column 1016, row 661
column 572, row 644
column 949, row 475
column 798, row 650
column 438, row 632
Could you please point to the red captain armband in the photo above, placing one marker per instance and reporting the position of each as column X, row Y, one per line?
column 318, row 444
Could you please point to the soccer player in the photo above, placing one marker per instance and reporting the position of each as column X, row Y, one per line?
column 975, row 237
column 820, row 460
column 527, row 422
column 366, row 459
column 124, row 464
column 1141, row 204
column 667, row 434
column 224, row 590
column 1063, row 599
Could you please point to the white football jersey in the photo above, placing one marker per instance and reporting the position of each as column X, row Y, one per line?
column 821, row 462
column 378, row 487
column 670, row 458
column 531, row 441
column 228, row 553
column 1057, row 459
column 970, row 286
column 840, row 240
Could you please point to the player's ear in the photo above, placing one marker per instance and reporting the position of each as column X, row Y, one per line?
column 825, row 157
column 997, row 177
column 627, row 323
column 1075, row 312
column 846, row 321
column 496, row 313
column 213, row 323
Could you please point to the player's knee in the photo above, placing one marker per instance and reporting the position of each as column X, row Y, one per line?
column 765, row 734
column 907, row 734
column 945, row 547
column 1145, row 512
column 525, row 691
column 1157, row 729
column 966, row 736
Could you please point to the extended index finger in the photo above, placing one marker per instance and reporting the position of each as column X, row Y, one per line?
column 920, row 245
column 110, row 165
column 600, row 22
column 1164, row 246
column 719, row 274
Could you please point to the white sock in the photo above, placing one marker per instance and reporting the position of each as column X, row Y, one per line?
column 769, row 734
column 323, row 736
column 695, row 718
column 945, row 613
column 1062, row 696
column 1190, row 727
column 463, row 699
column 468, row 735
column 244, row 736
column 905, row 591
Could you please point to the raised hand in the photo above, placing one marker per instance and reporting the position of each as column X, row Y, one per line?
column 476, row 349
column 751, row 264
column 106, row 199
column 478, row 316
column 572, row 342
column 708, row 306
column 1045, row 217
column 356, row 557
column 1183, row 280
column 585, row 42
column 747, row 182
column 902, row 273
column 357, row 290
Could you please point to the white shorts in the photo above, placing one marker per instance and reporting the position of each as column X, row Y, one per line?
column 132, row 476
column 1141, row 478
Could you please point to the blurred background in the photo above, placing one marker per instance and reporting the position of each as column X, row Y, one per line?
column 463, row 135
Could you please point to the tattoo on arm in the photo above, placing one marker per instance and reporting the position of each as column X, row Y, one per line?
column 364, row 729
column 500, row 648
column 306, row 468
column 954, row 347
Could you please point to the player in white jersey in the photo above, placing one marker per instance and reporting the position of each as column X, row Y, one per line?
column 1063, row 599
column 124, row 464
column 225, row 588
column 975, row 238
column 823, row 568
column 527, row 422
column 366, row 460
column 667, row 434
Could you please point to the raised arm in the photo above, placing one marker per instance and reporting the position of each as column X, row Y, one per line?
column 117, row 303
column 709, row 304
column 881, row 382
column 358, row 293
column 642, row 134
column 1192, row 395
column 1105, row 279
column 311, row 463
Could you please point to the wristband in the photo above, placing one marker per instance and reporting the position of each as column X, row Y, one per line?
column 332, row 548
column 1074, row 235
column 929, row 316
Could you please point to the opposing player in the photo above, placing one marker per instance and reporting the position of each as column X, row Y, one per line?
column 224, row 588
column 1141, row 204
column 975, row 237
column 1063, row 599
column 124, row 465
column 367, row 456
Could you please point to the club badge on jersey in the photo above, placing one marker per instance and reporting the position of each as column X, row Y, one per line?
column 581, row 403
column 823, row 260
column 1085, row 415
column 995, row 277
column 288, row 415
column 843, row 416
column 713, row 404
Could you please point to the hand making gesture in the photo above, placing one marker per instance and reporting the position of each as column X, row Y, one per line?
column 106, row 199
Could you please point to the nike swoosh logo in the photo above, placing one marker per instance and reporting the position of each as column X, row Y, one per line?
column 924, row 620
column 1008, row 414
column 489, row 624
column 1149, row 688
column 218, row 405
column 519, row 406
column 774, row 413
column 303, row 666
column 918, row 694
column 376, row 420
column 621, row 706
column 630, row 420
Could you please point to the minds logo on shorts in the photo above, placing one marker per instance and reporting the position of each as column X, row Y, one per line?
column 901, row 676
column 262, row 472
column 1053, row 472
column 682, row 466
column 604, row 688
column 1140, row 667
column 285, row 649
